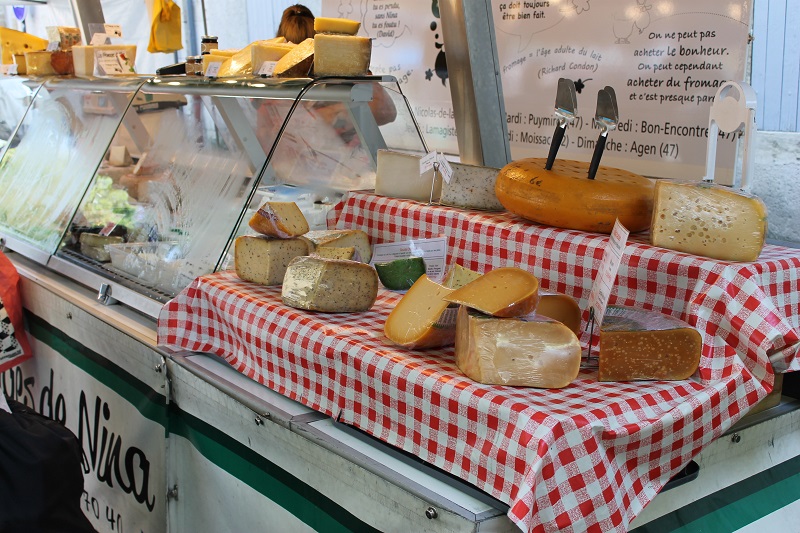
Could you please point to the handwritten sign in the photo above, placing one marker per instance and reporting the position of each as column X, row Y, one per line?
column 437, row 161
column 112, row 30
column 433, row 251
column 607, row 273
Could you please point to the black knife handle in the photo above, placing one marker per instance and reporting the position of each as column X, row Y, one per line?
column 597, row 155
column 558, row 136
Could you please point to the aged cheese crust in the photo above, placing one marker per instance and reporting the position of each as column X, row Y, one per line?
column 264, row 260
column 317, row 283
column 421, row 319
column 646, row 345
column 471, row 187
column 502, row 292
column 565, row 198
column 340, row 238
column 279, row 219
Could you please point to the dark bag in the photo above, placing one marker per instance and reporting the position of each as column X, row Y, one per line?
column 41, row 478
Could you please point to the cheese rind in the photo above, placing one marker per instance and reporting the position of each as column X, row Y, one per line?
column 297, row 63
column 317, row 283
column 283, row 220
column 332, row 252
column 259, row 259
column 400, row 274
column 502, row 292
column 336, row 25
column 471, row 187
column 421, row 318
column 539, row 352
column 646, row 345
column 458, row 276
column 708, row 220
column 398, row 176
column 340, row 238
column 560, row 307
column 341, row 55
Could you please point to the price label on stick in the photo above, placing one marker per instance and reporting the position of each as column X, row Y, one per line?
column 607, row 274
column 431, row 159
column 98, row 39
column 112, row 30
column 267, row 68
column 213, row 69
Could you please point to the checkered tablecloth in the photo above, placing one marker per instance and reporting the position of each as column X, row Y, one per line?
column 585, row 458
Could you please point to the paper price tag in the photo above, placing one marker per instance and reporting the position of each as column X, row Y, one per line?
column 433, row 251
column 212, row 71
column 53, row 46
column 98, row 39
column 110, row 62
column 8, row 70
column 112, row 30
column 444, row 168
column 267, row 68
column 607, row 274
column 427, row 161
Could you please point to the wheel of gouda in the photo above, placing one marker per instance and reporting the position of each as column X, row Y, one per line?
column 565, row 197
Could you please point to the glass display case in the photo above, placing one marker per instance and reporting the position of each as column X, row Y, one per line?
column 141, row 186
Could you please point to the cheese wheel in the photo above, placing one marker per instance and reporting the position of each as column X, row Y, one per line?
column 329, row 285
column 421, row 318
column 263, row 260
column 565, row 198
column 502, row 292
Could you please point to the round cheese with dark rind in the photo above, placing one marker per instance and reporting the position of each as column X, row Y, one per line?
column 565, row 197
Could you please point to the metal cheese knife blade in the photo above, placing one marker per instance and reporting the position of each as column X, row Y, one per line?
column 606, row 117
column 566, row 105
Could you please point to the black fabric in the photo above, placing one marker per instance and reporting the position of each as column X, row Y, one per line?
column 41, row 478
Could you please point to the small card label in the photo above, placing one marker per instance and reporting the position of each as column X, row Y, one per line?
column 98, row 39
column 212, row 71
column 8, row 70
column 607, row 273
column 109, row 62
column 53, row 46
column 436, row 160
column 432, row 251
column 267, row 68
column 112, row 30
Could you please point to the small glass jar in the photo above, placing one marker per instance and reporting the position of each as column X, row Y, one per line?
column 208, row 43
column 194, row 66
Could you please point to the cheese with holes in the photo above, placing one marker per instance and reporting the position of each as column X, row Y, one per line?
column 458, row 276
column 562, row 308
column 708, row 220
column 297, row 63
column 317, row 283
column 341, row 55
column 421, row 319
column 336, row 25
column 16, row 42
column 340, row 238
column 471, row 187
column 539, row 352
column 398, row 176
column 502, row 292
column 331, row 252
column 646, row 345
column 279, row 219
column 265, row 51
column 263, row 260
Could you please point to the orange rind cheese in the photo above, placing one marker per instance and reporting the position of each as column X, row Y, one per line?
column 421, row 318
column 502, row 292
column 283, row 220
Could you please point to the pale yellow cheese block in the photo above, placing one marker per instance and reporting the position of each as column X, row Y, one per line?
column 562, row 308
column 420, row 319
column 317, row 283
column 297, row 63
column 279, row 219
column 260, row 259
column 539, row 352
column 341, row 55
column 398, row 176
column 213, row 58
column 336, row 25
column 39, row 63
column 340, row 238
column 265, row 51
column 502, row 292
column 458, row 276
column 708, row 220
column 13, row 42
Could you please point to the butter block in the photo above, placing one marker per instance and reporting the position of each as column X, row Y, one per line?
column 340, row 238
column 421, row 319
column 297, row 63
column 260, row 259
column 539, row 352
column 13, row 42
column 646, row 345
column 341, row 55
column 560, row 307
column 708, row 220
column 279, row 219
column 458, row 276
column 471, row 187
column 502, row 292
column 397, row 176
column 336, row 25
column 317, row 283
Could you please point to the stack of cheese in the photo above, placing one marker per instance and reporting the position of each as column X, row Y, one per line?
column 14, row 44
column 318, row 269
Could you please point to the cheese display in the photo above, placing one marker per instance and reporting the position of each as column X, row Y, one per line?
column 279, row 219
column 565, row 198
column 708, row 220
column 265, row 51
column 458, row 276
column 38, row 63
column 263, row 260
column 336, row 25
column 646, row 345
column 94, row 245
column 297, row 63
column 332, row 252
column 398, row 176
column 471, row 187
column 65, row 36
column 13, row 42
column 400, row 274
column 421, row 319
column 562, row 308
column 502, row 292
column 317, row 283
column 539, row 352
column 341, row 55
column 83, row 56
column 340, row 238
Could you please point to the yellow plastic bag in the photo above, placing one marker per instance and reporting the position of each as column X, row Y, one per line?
column 165, row 30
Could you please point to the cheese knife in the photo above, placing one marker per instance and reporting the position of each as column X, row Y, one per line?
column 566, row 105
column 606, row 117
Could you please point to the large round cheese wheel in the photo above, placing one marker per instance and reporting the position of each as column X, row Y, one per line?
column 565, row 197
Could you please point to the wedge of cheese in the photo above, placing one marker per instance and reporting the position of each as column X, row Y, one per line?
column 562, row 308
column 336, row 25
column 283, row 220
column 341, row 55
column 214, row 58
column 65, row 36
column 13, row 42
column 265, row 51
column 540, row 352
column 263, row 260
column 502, row 292
column 297, row 63
column 39, row 63
column 398, row 176
column 471, row 187
column 340, row 238
column 646, row 345
column 708, row 220
column 317, row 283
column 458, row 276
column 422, row 319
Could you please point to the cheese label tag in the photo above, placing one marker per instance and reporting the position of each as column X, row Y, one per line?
column 112, row 30
column 607, row 273
column 9, row 70
column 110, row 62
column 98, row 39
column 426, row 162
column 53, row 46
column 267, row 68
column 106, row 231
column 433, row 251
column 444, row 168
column 212, row 71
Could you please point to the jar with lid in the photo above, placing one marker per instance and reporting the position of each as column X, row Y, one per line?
column 208, row 43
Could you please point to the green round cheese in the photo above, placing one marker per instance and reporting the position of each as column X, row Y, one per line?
column 400, row 274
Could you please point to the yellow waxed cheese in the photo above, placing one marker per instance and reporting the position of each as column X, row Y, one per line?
column 708, row 220
column 502, row 292
column 279, row 219
column 317, row 283
column 646, row 345
column 560, row 307
column 13, row 42
column 260, row 259
column 458, row 276
column 336, row 25
column 398, row 176
column 340, row 238
column 297, row 63
column 264, row 51
column 341, row 55
column 421, row 319
column 539, row 352
column 39, row 63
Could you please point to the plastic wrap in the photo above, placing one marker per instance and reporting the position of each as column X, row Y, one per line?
column 315, row 283
column 421, row 319
column 502, row 292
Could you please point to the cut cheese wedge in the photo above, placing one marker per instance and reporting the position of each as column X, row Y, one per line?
column 471, row 187
column 421, row 319
column 264, row 51
column 458, row 276
column 540, row 352
column 336, row 25
column 340, row 238
column 562, row 308
column 332, row 252
column 398, row 176
column 39, row 63
column 708, row 220
column 297, row 63
column 502, row 292
column 317, row 283
column 260, row 259
column 283, row 220
column 341, row 55
column 646, row 345
column 13, row 42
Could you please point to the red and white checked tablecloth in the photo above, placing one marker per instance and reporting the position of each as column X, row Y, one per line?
column 585, row 458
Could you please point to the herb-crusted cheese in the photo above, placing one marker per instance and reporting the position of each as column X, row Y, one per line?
column 471, row 187
column 317, row 283
column 340, row 238
column 264, row 260
column 458, row 276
